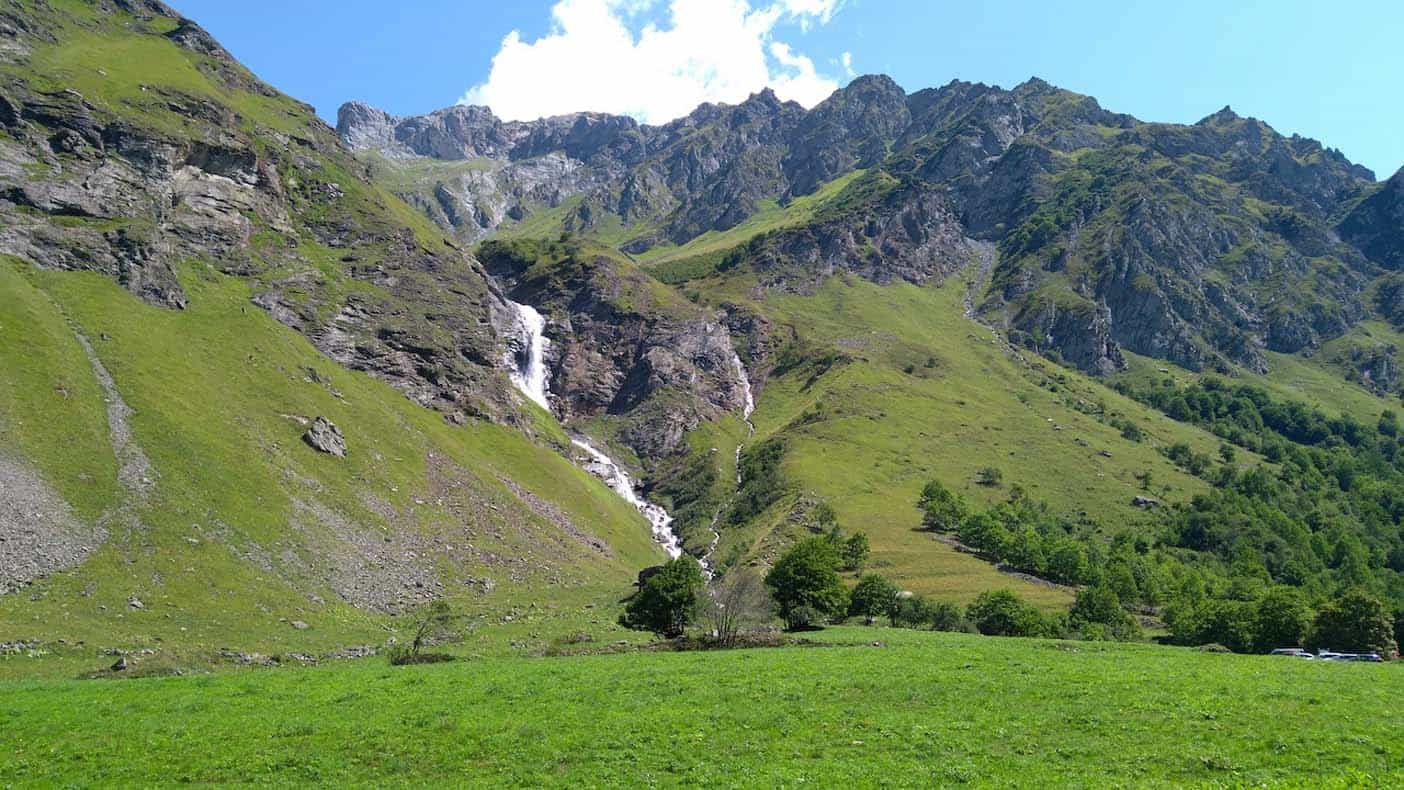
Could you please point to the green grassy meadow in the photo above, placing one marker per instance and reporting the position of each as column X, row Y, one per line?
column 921, row 392
column 922, row 709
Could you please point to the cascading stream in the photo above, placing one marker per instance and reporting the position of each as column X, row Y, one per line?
column 604, row 467
column 530, row 375
column 747, row 408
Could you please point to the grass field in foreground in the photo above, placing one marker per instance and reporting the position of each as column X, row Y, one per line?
column 923, row 709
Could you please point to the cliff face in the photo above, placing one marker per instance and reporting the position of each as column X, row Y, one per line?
column 1376, row 225
column 621, row 344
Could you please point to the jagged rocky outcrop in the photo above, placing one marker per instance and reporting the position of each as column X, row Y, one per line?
column 709, row 170
column 621, row 344
column 909, row 234
column 1376, row 224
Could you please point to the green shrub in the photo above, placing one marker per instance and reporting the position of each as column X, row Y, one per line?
column 1097, row 614
column 946, row 616
column 872, row 597
column 1283, row 618
column 854, row 552
column 942, row 510
column 1003, row 613
column 1354, row 622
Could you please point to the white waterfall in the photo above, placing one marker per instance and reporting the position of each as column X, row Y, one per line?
column 747, row 408
column 604, row 467
column 529, row 374
column 750, row 405
column 529, row 362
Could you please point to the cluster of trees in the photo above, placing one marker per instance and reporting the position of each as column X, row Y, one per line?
column 1023, row 534
column 1323, row 516
column 679, row 595
column 1229, row 597
column 805, row 589
column 1281, row 617
column 1095, row 614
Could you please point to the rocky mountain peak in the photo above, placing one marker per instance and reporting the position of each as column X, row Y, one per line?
column 362, row 126
column 1223, row 116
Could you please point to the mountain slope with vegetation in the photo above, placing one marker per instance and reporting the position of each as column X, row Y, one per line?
column 1153, row 361
column 194, row 273
column 897, row 271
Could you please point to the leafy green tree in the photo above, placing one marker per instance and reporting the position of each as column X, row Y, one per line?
column 1232, row 624
column 1389, row 423
column 1097, row 613
column 946, row 616
column 912, row 611
column 941, row 509
column 984, row 532
column 854, row 551
column 1025, row 551
column 1067, row 562
column 1283, row 618
column 1356, row 621
column 1003, row 613
column 667, row 601
column 1123, row 581
column 805, row 581
column 872, row 597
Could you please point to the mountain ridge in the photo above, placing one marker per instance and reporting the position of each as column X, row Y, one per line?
column 991, row 158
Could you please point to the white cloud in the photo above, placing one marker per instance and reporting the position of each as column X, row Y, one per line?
column 807, row 11
column 710, row 51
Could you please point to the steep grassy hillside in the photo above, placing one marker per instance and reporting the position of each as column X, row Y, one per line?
column 232, row 527
column 884, row 388
column 866, row 708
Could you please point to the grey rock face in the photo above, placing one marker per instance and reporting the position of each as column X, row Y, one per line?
column 912, row 235
column 850, row 129
column 363, row 126
column 622, row 346
column 325, row 437
column 1376, row 225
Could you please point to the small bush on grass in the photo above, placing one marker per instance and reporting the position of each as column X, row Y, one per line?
column 431, row 623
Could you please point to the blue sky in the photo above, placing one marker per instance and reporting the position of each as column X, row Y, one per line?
column 1329, row 71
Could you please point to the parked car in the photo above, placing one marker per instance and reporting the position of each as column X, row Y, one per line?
column 1371, row 657
column 1294, row 652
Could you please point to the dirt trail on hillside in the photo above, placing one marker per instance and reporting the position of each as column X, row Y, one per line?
column 134, row 473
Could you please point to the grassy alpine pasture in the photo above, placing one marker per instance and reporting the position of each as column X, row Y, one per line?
column 912, row 390
column 922, row 709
